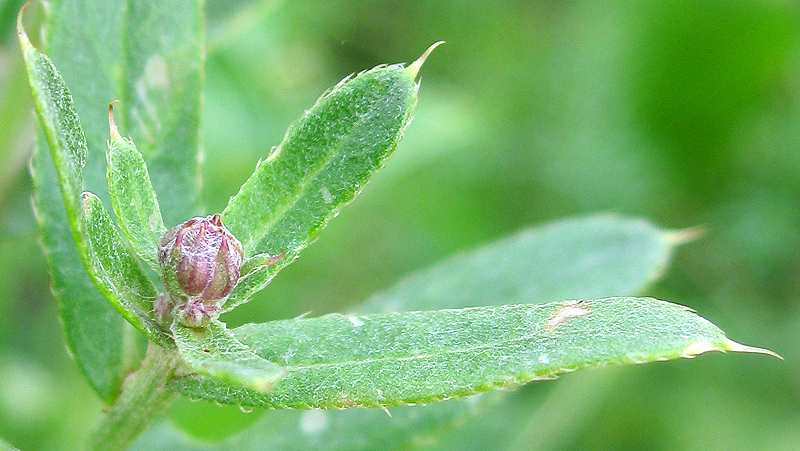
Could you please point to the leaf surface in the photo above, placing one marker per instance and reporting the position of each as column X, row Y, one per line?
column 419, row 357
column 161, row 98
column 93, row 59
column 589, row 257
column 214, row 352
column 95, row 332
column 325, row 159
column 118, row 274
column 132, row 196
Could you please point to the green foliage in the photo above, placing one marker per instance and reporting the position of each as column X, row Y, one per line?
column 214, row 352
column 322, row 163
column 160, row 96
column 580, row 258
column 338, row 361
column 118, row 274
column 94, row 332
column 504, row 338
column 132, row 196
column 623, row 256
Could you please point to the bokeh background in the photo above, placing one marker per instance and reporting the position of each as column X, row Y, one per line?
column 685, row 113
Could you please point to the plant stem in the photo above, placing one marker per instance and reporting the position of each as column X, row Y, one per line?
column 142, row 400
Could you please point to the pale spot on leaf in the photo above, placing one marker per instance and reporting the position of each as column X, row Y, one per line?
column 544, row 359
column 313, row 422
column 565, row 312
column 355, row 321
column 155, row 72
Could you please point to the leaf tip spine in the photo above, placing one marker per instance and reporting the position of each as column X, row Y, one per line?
column 112, row 124
column 685, row 236
column 413, row 68
column 23, row 37
column 730, row 345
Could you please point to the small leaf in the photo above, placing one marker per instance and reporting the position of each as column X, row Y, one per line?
column 62, row 127
column 118, row 274
column 132, row 195
column 323, row 162
column 212, row 351
column 418, row 357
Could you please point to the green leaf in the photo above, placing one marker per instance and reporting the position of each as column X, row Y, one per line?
column 62, row 127
column 418, row 357
column 95, row 333
column 212, row 351
column 161, row 97
column 590, row 257
column 118, row 274
column 104, row 255
column 603, row 254
column 132, row 196
column 93, row 60
column 323, row 162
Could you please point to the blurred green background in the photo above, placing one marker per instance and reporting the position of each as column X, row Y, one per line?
column 686, row 113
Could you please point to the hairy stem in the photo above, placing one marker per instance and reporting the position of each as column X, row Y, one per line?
column 143, row 399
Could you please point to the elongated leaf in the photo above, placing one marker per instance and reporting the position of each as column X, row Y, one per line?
column 212, row 351
column 93, row 61
column 608, row 254
column 323, row 162
column 118, row 274
column 590, row 257
column 62, row 127
column 94, row 331
column 161, row 98
column 419, row 357
column 132, row 196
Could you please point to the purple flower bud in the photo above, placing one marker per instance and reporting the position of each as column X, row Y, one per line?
column 200, row 260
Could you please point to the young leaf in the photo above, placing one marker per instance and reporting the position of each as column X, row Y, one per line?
column 94, row 59
column 212, row 351
column 323, row 162
column 132, row 196
column 581, row 258
column 94, row 331
column 418, row 357
column 118, row 274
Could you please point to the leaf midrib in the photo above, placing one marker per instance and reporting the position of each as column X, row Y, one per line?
column 291, row 201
